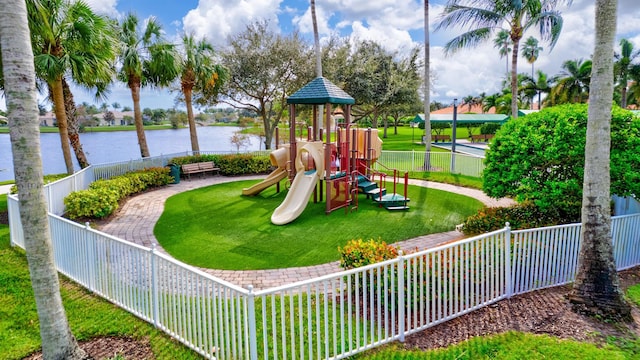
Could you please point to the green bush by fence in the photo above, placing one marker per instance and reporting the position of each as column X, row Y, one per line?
column 525, row 215
column 230, row 165
column 102, row 197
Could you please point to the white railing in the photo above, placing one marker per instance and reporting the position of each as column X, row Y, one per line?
column 331, row 317
column 468, row 165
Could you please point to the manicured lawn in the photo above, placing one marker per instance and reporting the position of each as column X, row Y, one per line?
column 216, row 227
column 512, row 346
column 88, row 315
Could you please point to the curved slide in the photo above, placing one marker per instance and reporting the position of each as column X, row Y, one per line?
column 303, row 185
column 278, row 158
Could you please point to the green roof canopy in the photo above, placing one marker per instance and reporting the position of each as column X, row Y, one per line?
column 320, row 91
column 464, row 118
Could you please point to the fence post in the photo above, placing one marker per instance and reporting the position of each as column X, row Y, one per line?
column 508, row 259
column 154, row 285
column 92, row 261
column 401, row 299
column 253, row 339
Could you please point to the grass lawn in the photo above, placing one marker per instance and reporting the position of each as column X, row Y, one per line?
column 216, row 227
column 513, row 346
column 88, row 315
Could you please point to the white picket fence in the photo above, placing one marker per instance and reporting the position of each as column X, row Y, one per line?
column 331, row 317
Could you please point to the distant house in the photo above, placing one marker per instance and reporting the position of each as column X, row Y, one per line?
column 3, row 120
column 48, row 119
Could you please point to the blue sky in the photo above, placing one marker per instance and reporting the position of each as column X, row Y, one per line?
column 397, row 24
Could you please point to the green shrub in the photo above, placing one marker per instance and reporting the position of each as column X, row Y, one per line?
column 358, row 253
column 230, row 165
column 103, row 196
column 540, row 157
column 91, row 203
column 521, row 216
column 243, row 164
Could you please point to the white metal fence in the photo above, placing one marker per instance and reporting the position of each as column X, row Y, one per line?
column 468, row 165
column 331, row 317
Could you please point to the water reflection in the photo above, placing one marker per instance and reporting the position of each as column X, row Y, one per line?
column 103, row 147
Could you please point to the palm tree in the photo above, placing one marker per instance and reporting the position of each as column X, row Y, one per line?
column 147, row 60
column 572, row 84
column 318, row 53
column 596, row 290
column 530, row 51
column 199, row 73
column 540, row 84
column 427, row 89
column 484, row 17
column 68, row 38
column 22, row 103
column 633, row 93
column 502, row 42
column 623, row 66
column 469, row 101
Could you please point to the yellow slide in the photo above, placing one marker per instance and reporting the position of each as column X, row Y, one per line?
column 303, row 184
column 278, row 158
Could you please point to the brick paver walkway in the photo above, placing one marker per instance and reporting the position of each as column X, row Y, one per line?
column 135, row 222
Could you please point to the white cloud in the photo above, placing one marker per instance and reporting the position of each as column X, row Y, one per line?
column 104, row 7
column 217, row 19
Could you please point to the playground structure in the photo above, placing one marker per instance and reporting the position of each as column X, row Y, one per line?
column 279, row 159
column 335, row 171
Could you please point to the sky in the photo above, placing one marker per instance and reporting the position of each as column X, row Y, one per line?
column 397, row 24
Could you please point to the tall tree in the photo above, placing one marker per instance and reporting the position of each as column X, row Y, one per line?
column 318, row 53
column 316, row 39
column 572, row 84
column 484, row 17
column 502, row 42
column 427, row 88
column 22, row 106
column 69, row 38
column 198, row 72
column 596, row 289
column 265, row 67
column 73, row 126
column 540, row 84
column 531, row 51
column 633, row 93
column 147, row 60
column 623, row 66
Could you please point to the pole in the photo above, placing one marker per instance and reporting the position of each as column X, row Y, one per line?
column 453, row 136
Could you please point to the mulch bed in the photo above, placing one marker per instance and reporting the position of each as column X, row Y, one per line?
column 539, row 312
column 108, row 347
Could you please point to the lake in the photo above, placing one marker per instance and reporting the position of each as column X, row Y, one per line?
column 104, row 147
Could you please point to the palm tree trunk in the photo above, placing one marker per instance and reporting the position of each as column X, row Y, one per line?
column 74, row 135
column 514, row 78
column 316, row 42
column 427, row 90
column 192, row 122
column 137, row 114
column 61, row 117
column 22, row 105
column 623, row 94
column 596, row 290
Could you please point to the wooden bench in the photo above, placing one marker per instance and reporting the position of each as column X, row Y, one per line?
column 481, row 137
column 199, row 168
column 440, row 137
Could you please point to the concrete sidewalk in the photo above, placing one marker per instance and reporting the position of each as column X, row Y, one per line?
column 137, row 218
